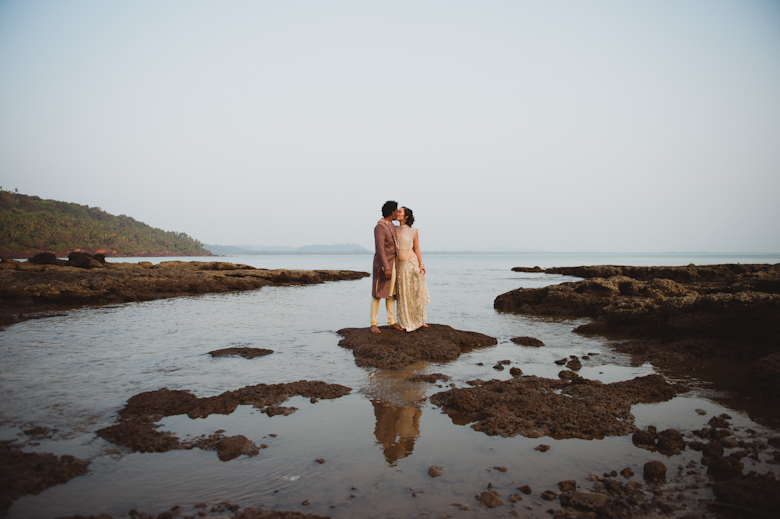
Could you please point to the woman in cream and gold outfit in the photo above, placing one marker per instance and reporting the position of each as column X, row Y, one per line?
column 412, row 289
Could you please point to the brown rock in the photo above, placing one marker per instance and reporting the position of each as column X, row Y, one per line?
column 527, row 269
column 574, row 365
column 527, row 341
column 712, row 449
column 435, row 471
column 140, row 436
column 525, row 489
column 568, row 485
column 44, row 258
column 751, row 492
column 232, row 447
column 654, row 471
column 627, row 473
column 501, row 468
column 542, row 448
column 83, row 260
column 395, row 349
column 489, row 498
column 645, row 438
column 515, row 372
column 718, row 422
column 765, row 374
column 548, row 495
column 723, row 468
column 670, row 442
column 584, row 501
column 222, row 404
column 247, row 353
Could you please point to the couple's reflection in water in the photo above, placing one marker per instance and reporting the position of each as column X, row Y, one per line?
column 397, row 405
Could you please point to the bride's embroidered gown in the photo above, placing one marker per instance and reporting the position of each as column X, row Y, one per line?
column 412, row 289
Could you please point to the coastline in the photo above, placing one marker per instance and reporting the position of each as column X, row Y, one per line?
column 33, row 290
column 671, row 314
column 541, row 448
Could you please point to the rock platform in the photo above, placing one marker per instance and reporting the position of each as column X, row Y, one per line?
column 671, row 314
column 46, row 285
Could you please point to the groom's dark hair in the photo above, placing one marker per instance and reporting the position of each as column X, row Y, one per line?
column 388, row 208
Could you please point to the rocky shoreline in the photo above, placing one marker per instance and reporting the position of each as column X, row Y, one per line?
column 45, row 285
column 671, row 313
column 661, row 313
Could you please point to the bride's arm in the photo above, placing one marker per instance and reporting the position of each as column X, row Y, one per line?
column 418, row 251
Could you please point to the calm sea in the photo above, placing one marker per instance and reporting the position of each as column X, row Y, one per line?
column 73, row 372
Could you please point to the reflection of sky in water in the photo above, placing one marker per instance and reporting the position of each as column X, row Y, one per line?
column 73, row 372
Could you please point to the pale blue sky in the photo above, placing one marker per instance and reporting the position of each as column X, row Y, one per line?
column 547, row 125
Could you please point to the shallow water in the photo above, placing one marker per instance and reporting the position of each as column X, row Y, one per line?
column 74, row 371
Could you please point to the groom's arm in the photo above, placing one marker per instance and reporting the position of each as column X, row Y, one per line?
column 380, row 233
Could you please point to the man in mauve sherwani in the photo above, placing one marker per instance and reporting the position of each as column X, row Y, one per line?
column 383, row 280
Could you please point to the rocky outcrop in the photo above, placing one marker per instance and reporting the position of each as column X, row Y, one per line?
column 136, row 428
column 689, row 311
column 30, row 287
column 26, row 473
column 533, row 406
column 395, row 349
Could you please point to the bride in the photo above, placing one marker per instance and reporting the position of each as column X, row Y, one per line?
column 412, row 289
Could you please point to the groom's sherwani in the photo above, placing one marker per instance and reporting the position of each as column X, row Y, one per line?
column 385, row 244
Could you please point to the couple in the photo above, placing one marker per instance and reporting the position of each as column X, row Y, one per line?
column 398, row 271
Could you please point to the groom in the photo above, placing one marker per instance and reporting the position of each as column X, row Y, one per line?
column 383, row 278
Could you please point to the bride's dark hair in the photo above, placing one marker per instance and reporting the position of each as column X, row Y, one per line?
column 409, row 216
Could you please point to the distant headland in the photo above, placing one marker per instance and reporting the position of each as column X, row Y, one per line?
column 30, row 225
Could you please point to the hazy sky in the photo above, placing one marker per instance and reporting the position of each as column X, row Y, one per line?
column 532, row 125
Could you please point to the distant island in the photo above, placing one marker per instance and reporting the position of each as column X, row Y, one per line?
column 30, row 224
column 271, row 250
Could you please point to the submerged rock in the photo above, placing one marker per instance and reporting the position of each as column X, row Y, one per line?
column 527, row 341
column 396, row 349
column 247, row 353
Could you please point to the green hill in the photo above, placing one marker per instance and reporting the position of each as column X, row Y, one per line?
column 29, row 225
